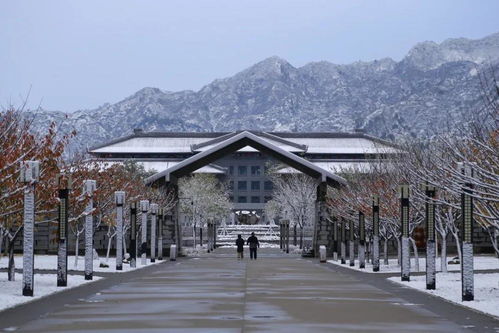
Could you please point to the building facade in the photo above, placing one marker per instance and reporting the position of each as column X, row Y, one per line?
column 245, row 171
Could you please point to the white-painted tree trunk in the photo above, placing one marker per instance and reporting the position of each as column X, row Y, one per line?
column 385, row 252
column 443, row 255
column 77, row 249
column 416, row 254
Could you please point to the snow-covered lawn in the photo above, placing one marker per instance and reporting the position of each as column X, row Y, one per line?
column 50, row 262
column 449, row 288
column 480, row 263
column 45, row 284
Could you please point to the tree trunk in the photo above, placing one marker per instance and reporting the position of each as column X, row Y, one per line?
column 458, row 246
column 385, row 252
column 11, row 271
column 194, row 236
column 416, row 254
column 301, row 237
column 77, row 246
column 443, row 256
column 108, row 247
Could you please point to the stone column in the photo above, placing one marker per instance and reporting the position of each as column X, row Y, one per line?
column 133, row 234
column 320, row 226
column 144, row 208
column 154, row 212
column 362, row 241
column 335, row 239
column 467, row 279
column 30, row 175
column 281, row 234
column 351, row 244
column 209, row 229
column 343, row 241
column 404, row 220
column 160, row 233
column 430, row 236
column 119, row 198
column 64, row 184
column 375, row 233
column 89, row 187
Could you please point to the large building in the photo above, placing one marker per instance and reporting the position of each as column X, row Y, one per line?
column 245, row 169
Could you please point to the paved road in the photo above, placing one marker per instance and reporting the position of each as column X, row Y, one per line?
column 217, row 293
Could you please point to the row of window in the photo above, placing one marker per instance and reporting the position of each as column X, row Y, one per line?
column 242, row 170
column 253, row 199
column 242, row 185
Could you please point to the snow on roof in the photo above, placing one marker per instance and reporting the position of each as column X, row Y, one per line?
column 158, row 166
column 335, row 167
column 352, row 145
column 251, row 149
column 331, row 143
column 152, row 145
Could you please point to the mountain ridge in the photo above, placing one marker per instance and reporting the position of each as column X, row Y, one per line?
column 415, row 96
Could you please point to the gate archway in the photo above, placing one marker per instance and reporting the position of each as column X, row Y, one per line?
column 168, row 178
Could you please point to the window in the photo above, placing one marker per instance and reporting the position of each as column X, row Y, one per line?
column 241, row 199
column 255, row 170
column 243, row 170
column 231, row 170
column 231, row 185
column 267, row 198
column 241, row 185
column 255, row 199
column 231, row 198
column 267, row 185
column 255, row 185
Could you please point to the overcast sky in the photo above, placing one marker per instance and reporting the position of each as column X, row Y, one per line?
column 81, row 54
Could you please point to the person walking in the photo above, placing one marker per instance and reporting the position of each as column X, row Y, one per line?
column 240, row 247
column 253, row 245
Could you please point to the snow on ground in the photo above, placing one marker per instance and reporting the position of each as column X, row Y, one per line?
column 45, row 284
column 50, row 262
column 449, row 288
column 480, row 263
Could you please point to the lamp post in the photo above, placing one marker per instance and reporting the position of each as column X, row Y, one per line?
column 133, row 234
column 64, row 184
column 375, row 233
column 351, row 244
column 154, row 212
column 467, row 282
column 30, row 175
column 160, row 233
column 430, row 235
column 89, row 187
column 144, row 208
column 362, row 240
column 404, row 219
column 119, row 198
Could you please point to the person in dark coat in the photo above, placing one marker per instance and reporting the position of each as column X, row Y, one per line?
column 253, row 245
column 240, row 247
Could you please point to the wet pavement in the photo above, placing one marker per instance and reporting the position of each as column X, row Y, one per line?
column 218, row 293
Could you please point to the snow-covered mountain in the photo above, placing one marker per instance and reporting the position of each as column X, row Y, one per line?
column 434, row 85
